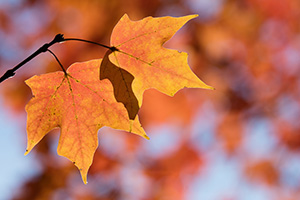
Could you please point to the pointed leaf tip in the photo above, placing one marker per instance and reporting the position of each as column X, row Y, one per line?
column 193, row 16
column 146, row 136
column 84, row 179
column 26, row 152
column 210, row 87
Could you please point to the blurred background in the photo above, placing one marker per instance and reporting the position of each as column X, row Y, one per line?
column 239, row 142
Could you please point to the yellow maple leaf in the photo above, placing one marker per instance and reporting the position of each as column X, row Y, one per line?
column 79, row 104
column 139, row 51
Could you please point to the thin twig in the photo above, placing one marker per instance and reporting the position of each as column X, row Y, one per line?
column 11, row 72
column 87, row 41
column 58, row 38
column 57, row 61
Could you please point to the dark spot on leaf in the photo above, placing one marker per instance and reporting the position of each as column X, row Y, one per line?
column 113, row 49
column 121, row 81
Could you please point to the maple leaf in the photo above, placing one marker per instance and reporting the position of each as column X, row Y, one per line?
column 139, row 50
column 79, row 104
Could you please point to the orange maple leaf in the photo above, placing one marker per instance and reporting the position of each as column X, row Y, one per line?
column 79, row 104
column 139, row 51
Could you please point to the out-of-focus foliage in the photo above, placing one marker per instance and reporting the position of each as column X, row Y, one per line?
column 248, row 50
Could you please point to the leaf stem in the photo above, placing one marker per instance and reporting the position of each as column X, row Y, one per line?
column 87, row 41
column 57, row 61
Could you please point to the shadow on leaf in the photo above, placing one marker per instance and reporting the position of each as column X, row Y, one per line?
column 121, row 81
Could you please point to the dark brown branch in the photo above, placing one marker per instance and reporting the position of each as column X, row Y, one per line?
column 11, row 72
column 58, row 38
